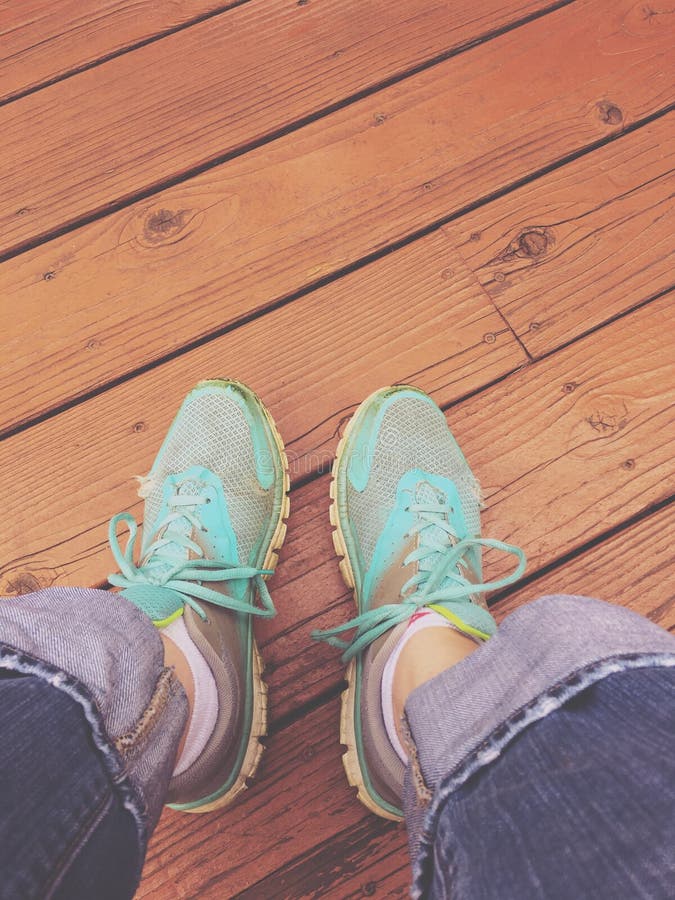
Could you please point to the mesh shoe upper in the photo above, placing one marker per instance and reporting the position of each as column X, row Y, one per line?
column 212, row 431
column 413, row 434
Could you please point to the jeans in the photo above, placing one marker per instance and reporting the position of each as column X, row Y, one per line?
column 65, row 831
column 540, row 766
column 580, row 805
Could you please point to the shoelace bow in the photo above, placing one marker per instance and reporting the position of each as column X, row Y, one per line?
column 441, row 582
column 174, row 579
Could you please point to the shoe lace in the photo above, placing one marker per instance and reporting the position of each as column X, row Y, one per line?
column 439, row 579
column 167, row 579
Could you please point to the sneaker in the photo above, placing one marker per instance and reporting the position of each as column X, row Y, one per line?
column 406, row 516
column 213, row 522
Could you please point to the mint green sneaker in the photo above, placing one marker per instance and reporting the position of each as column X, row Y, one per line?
column 406, row 516
column 215, row 507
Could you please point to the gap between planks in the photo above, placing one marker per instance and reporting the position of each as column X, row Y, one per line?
column 220, row 264
column 110, row 45
column 655, row 126
column 79, row 173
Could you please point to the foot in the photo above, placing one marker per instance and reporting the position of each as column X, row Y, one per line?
column 406, row 516
column 215, row 504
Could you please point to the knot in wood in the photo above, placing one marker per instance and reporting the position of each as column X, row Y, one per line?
column 24, row 583
column 609, row 113
column 533, row 243
column 163, row 224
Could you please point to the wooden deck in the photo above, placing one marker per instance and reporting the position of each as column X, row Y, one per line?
column 320, row 197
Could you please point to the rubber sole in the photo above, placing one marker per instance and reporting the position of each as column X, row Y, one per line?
column 254, row 749
column 350, row 758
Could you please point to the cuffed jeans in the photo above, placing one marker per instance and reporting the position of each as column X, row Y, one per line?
column 541, row 765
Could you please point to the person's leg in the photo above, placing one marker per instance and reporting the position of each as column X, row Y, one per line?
column 91, row 719
column 166, row 677
column 406, row 517
column 579, row 805
column 541, row 764
column 64, row 830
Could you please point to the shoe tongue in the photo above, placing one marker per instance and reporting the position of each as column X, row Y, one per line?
column 429, row 494
column 180, row 527
column 426, row 493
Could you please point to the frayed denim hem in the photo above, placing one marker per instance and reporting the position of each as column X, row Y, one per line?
column 18, row 661
column 492, row 747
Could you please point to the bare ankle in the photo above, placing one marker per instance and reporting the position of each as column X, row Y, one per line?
column 425, row 655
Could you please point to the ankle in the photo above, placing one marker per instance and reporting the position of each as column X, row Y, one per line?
column 425, row 655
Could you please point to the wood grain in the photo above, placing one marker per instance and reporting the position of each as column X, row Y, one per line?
column 41, row 40
column 634, row 568
column 574, row 449
column 176, row 104
column 370, row 859
column 300, row 798
column 368, row 856
column 565, row 253
column 415, row 315
column 145, row 281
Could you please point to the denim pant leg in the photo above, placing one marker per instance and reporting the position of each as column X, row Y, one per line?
column 496, row 726
column 64, row 831
column 86, row 669
column 579, row 805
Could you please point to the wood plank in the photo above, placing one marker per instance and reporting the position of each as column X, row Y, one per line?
column 219, row 854
column 202, row 255
column 634, row 568
column 312, row 362
column 369, row 856
column 369, row 860
column 149, row 115
column 41, row 40
column 588, row 241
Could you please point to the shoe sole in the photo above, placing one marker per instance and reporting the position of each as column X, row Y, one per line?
column 350, row 758
column 255, row 749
